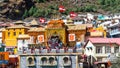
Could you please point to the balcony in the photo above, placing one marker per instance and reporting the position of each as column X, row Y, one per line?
column 115, row 32
column 101, row 55
column 51, row 52
column 113, row 25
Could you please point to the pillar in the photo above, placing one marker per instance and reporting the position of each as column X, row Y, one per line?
column 112, row 49
column 23, row 62
column 74, row 61
column 103, row 50
column 119, row 49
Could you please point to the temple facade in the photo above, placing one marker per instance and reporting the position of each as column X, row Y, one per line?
column 57, row 33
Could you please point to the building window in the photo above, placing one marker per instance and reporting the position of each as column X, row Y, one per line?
column 8, row 33
column 98, row 49
column 116, row 49
column 20, row 32
column 23, row 41
column 99, row 59
column 32, row 39
column 14, row 33
column 107, row 49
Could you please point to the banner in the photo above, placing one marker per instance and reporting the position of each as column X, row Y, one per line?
column 73, row 14
column 71, row 37
column 41, row 38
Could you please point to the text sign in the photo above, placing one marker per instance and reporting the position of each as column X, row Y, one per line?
column 41, row 38
column 71, row 37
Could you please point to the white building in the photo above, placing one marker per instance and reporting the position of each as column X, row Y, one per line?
column 101, row 48
column 114, row 30
column 23, row 41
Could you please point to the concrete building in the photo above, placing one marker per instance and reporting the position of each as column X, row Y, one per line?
column 44, row 59
column 22, row 41
column 114, row 30
column 101, row 48
column 10, row 35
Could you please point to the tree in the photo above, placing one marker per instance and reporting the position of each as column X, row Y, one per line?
column 31, row 11
column 25, row 14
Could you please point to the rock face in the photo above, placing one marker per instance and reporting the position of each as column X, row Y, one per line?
column 14, row 9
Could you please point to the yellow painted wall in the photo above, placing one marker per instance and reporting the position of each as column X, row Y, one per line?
column 11, row 40
column 61, row 32
column 101, row 29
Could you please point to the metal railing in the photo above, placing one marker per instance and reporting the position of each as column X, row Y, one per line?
column 44, row 51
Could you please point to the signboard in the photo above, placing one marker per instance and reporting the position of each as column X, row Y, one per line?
column 41, row 38
column 96, row 33
column 4, row 57
column 71, row 37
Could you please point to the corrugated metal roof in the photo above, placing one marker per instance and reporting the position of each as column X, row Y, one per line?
column 105, row 40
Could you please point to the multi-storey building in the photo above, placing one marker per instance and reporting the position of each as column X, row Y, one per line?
column 114, row 30
column 53, row 46
column 10, row 35
column 56, row 32
column 53, row 59
column 101, row 48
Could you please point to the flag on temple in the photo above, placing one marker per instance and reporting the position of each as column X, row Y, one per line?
column 73, row 14
column 61, row 8
column 42, row 20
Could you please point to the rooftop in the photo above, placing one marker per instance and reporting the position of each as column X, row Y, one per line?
column 34, row 22
column 76, row 27
column 16, row 26
column 34, row 29
column 2, row 29
column 105, row 40
column 19, row 22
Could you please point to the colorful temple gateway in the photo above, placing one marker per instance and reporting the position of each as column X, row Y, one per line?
column 57, row 45
column 56, row 33
column 54, row 45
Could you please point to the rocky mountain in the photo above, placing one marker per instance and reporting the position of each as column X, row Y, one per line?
column 21, row 9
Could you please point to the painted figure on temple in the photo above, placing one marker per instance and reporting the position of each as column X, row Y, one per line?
column 55, row 42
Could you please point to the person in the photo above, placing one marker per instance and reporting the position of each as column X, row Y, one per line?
column 15, row 50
